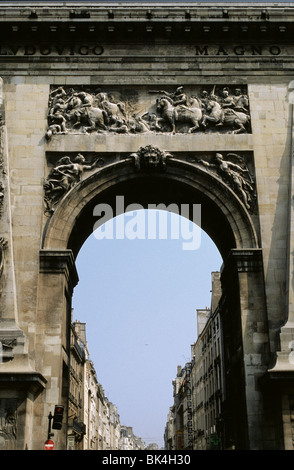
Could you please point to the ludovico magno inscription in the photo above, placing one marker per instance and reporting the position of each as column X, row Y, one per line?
column 94, row 49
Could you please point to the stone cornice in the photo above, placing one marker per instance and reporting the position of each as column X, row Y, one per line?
column 59, row 262
column 146, row 11
column 189, row 21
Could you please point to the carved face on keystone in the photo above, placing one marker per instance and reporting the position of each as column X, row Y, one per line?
column 151, row 157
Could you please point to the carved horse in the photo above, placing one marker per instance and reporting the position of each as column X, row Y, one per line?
column 228, row 117
column 171, row 114
column 96, row 118
column 91, row 117
column 114, row 110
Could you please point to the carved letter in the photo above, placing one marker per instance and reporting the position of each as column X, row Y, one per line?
column 202, row 51
column 14, row 49
column 221, row 50
column 239, row 50
column 256, row 50
column 98, row 50
column 30, row 50
column 275, row 50
column 83, row 50
column 59, row 49
column 45, row 50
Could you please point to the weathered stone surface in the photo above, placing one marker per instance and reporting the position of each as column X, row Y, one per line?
column 199, row 50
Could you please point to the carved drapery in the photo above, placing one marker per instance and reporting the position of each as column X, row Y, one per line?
column 8, row 420
column 66, row 173
column 2, row 166
column 232, row 169
column 3, row 246
column 80, row 110
column 3, row 241
column 234, row 172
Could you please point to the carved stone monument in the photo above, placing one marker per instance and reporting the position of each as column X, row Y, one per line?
column 195, row 103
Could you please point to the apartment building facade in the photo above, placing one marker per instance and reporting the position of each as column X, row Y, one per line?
column 182, row 409
column 76, row 427
column 93, row 422
column 208, row 386
column 129, row 441
column 195, row 421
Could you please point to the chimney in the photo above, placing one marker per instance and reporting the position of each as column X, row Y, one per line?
column 80, row 329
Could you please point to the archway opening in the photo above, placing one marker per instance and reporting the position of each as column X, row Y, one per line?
column 147, row 191
column 223, row 218
column 138, row 297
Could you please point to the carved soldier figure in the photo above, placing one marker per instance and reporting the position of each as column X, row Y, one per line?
column 80, row 101
column 58, row 105
column 119, row 126
column 149, row 122
column 57, row 94
column 226, row 101
column 204, row 98
column 56, row 119
column 178, row 97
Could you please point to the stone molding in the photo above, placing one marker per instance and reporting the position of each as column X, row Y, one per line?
column 32, row 382
column 59, row 262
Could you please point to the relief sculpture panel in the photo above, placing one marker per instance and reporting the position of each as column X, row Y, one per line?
column 8, row 423
column 234, row 170
column 133, row 111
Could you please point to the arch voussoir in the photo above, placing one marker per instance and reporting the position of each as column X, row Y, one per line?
column 207, row 188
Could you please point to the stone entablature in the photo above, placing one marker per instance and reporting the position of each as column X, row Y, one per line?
column 39, row 34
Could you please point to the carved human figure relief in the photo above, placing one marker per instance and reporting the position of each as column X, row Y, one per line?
column 3, row 247
column 76, row 110
column 8, row 420
column 65, row 174
column 235, row 173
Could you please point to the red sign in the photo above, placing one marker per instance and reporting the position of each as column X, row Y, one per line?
column 49, row 445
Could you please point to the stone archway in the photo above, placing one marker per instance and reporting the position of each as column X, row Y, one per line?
column 142, row 51
column 189, row 178
column 225, row 219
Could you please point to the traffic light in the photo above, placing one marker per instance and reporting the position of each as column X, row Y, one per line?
column 57, row 418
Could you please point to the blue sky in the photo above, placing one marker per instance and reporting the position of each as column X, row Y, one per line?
column 138, row 299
